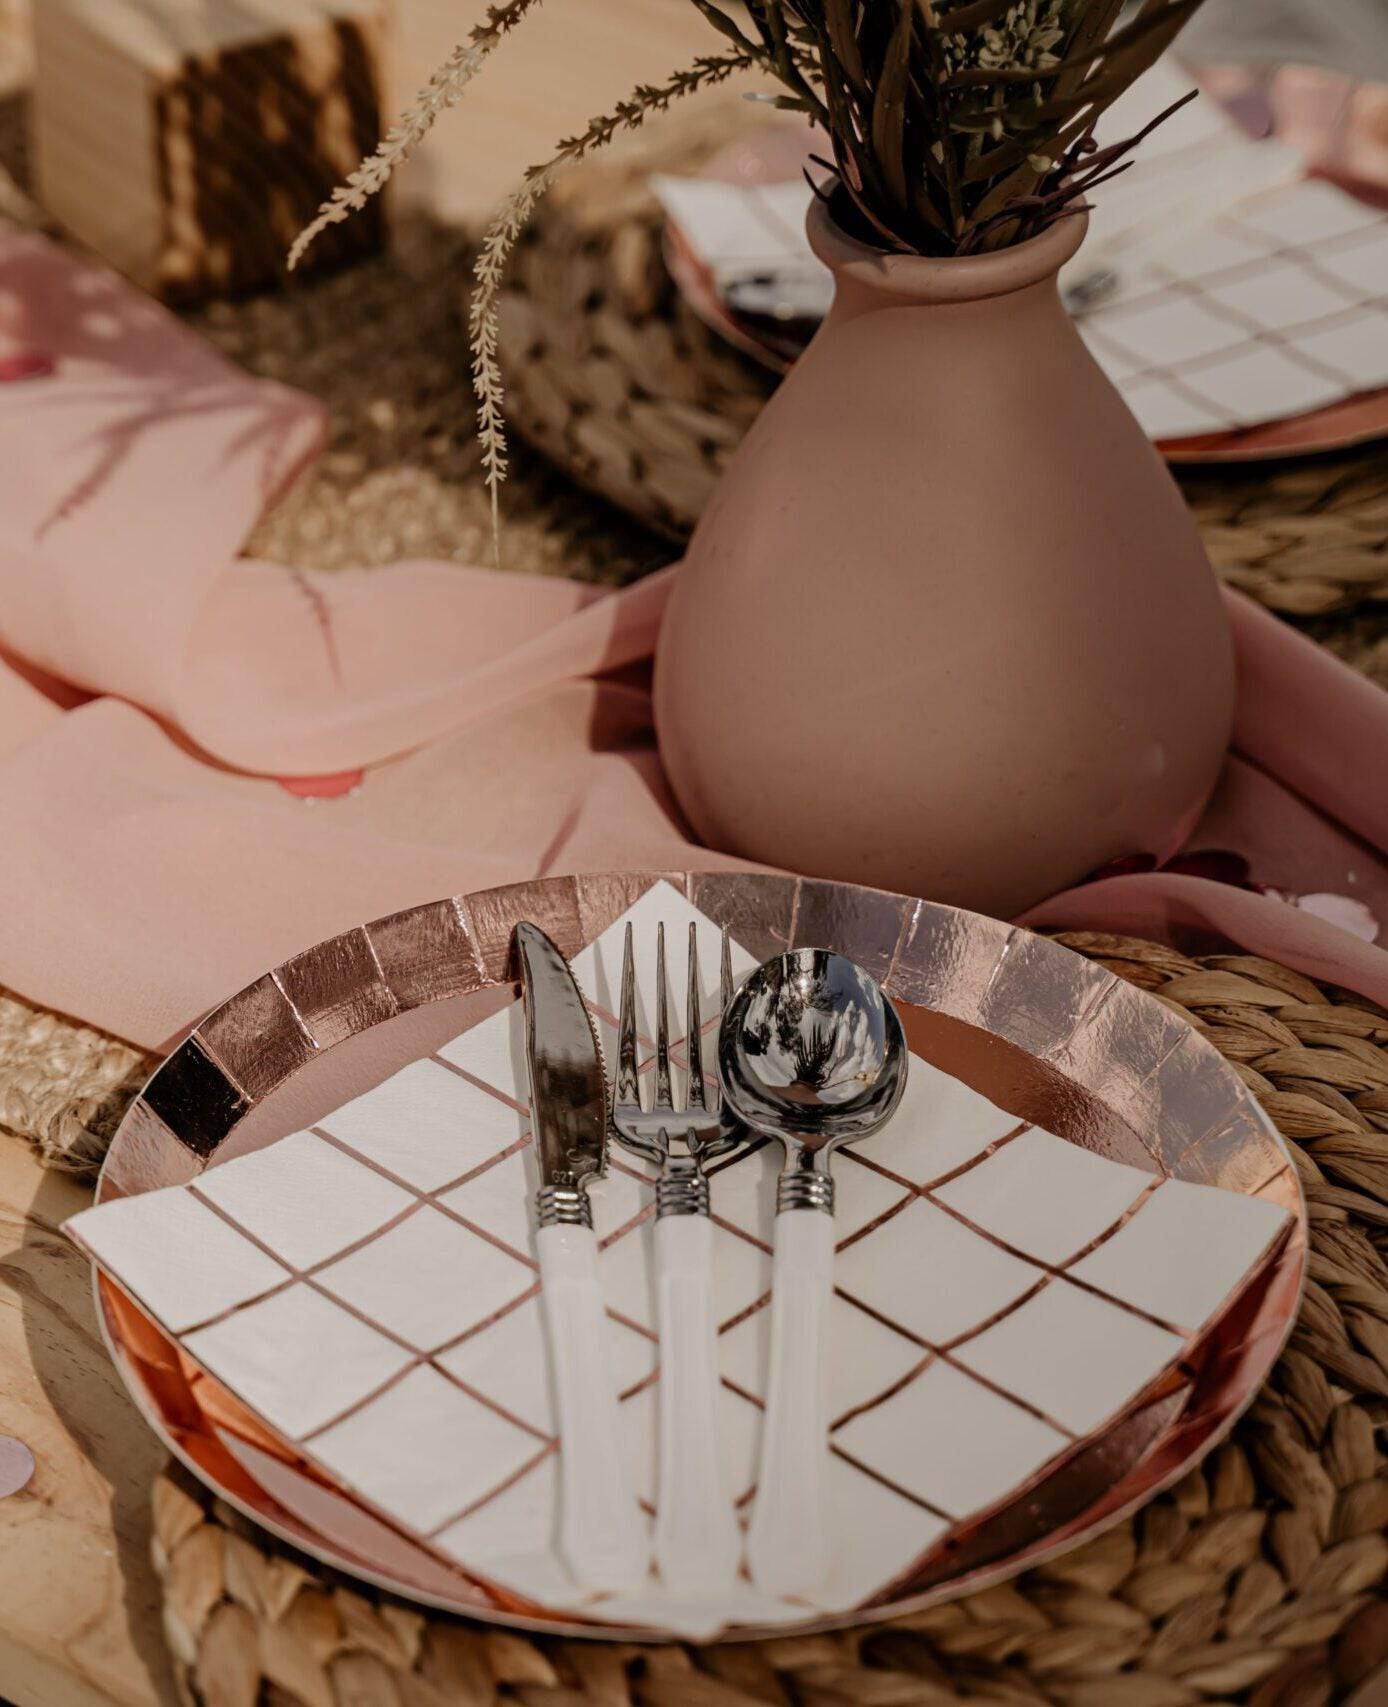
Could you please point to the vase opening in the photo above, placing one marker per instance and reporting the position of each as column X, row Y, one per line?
column 943, row 278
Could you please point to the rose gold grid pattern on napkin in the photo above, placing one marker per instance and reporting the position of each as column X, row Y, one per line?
column 469, row 1365
column 1276, row 308
column 1273, row 309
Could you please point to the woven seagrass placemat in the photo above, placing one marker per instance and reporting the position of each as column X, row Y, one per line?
column 1260, row 1578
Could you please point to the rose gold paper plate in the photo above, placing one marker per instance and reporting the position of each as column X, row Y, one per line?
column 1043, row 1033
column 776, row 153
column 1339, row 426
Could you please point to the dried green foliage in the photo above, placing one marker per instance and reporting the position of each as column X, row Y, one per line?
column 956, row 127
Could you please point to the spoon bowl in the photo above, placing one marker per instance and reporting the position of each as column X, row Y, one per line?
column 811, row 1052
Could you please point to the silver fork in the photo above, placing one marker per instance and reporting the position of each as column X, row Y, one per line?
column 698, row 1544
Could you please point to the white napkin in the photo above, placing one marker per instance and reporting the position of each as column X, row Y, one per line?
column 1246, row 293
column 740, row 230
column 369, row 1290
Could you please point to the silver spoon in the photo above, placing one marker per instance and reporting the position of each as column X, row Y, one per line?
column 810, row 1052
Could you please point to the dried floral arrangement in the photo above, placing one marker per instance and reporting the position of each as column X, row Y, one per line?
column 955, row 126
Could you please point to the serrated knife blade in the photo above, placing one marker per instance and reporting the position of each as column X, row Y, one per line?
column 568, row 1090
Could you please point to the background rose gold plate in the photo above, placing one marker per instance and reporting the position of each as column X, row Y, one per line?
column 1042, row 1032
column 776, row 153
column 1339, row 426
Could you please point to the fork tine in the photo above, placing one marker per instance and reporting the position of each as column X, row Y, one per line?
column 627, row 1088
column 695, row 1097
column 725, row 996
column 662, row 1024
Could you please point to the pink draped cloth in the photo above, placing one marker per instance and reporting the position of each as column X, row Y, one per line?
column 162, row 700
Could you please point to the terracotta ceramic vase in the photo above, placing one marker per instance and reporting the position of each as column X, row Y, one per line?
column 946, row 626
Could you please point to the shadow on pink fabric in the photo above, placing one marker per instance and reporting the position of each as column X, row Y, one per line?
column 154, row 685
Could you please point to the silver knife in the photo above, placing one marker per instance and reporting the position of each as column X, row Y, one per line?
column 602, row 1532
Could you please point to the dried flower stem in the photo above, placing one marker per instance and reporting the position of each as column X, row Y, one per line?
column 508, row 224
column 442, row 91
column 483, row 332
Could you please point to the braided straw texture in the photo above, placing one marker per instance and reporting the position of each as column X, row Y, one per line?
column 64, row 1085
column 613, row 375
column 1261, row 1578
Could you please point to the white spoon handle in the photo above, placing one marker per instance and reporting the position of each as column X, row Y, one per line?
column 788, row 1547
column 697, row 1541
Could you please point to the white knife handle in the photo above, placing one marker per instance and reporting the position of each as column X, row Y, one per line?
column 788, row 1547
column 602, row 1535
column 698, row 1544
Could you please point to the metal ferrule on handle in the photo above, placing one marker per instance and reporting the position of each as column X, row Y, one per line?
column 681, row 1191
column 563, row 1206
column 799, row 1188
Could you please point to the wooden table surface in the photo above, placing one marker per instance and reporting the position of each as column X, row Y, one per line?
column 561, row 65
column 79, row 1602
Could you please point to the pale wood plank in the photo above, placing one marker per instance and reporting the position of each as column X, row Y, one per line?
column 187, row 141
column 564, row 63
column 79, row 1601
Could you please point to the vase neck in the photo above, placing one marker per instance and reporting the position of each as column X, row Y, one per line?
column 867, row 279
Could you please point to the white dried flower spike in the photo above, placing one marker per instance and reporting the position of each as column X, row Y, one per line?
column 442, row 91
column 395, row 147
column 506, row 227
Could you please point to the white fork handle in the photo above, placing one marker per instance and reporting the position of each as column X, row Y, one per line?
column 602, row 1535
column 697, row 1541
column 788, row 1545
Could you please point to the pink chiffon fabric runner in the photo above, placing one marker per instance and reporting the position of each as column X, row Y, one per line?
column 166, row 704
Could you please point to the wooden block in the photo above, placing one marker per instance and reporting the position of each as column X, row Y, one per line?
column 188, row 141
column 15, row 35
column 14, row 22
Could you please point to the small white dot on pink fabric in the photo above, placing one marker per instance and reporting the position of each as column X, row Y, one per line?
column 16, row 1465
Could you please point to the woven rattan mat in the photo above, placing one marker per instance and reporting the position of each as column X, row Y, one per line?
column 1261, row 1578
